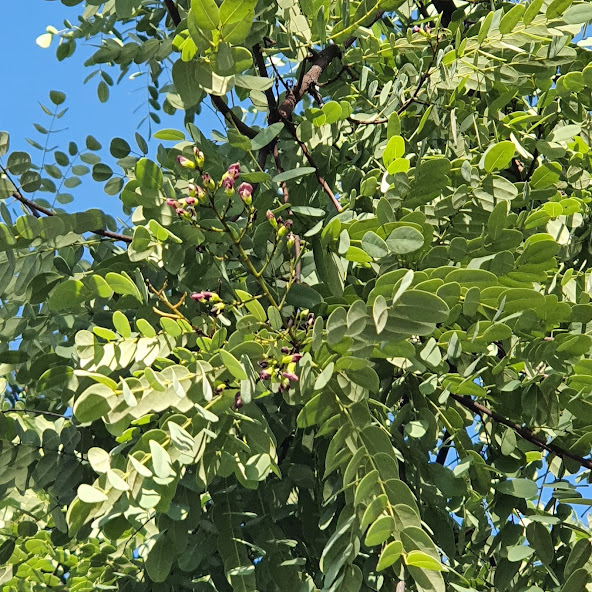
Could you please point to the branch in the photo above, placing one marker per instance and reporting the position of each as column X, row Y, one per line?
column 290, row 126
column 446, row 8
column 35, row 412
column 218, row 102
column 173, row 12
column 37, row 209
column 422, row 79
column 523, row 431
column 320, row 62
column 262, row 69
column 280, row 169
column 230, row 115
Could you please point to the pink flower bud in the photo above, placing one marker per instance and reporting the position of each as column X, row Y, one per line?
column 208, row 181
column 192, row 187
column 290, row 376
column 171, row 202
column 296, row 357
column 416, row 29
column 234, row 170
column 245, row 190
column 271, row 218
column 264, row 375
column 190, row 200
column 228, row 182
column 180, row 211
column 185, row 162
column 199, row 157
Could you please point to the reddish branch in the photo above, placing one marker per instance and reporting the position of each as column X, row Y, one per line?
column 523, row 431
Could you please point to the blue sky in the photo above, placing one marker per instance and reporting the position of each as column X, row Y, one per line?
column 30, row 72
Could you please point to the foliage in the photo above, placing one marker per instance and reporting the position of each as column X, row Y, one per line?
column 345, row 347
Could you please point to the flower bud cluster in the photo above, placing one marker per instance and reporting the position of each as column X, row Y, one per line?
column 282, row 370
column 281, row 227
column 197, row 162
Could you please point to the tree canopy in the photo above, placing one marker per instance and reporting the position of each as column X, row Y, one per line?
column 344, row 343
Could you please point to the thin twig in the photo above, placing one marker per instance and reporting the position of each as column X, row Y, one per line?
column 523, row 431
column 280, row 169
column 291, row 128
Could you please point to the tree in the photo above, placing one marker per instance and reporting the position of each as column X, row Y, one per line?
column 345, row 344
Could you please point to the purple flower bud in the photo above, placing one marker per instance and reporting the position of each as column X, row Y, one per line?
column 192, row 187
column 185, row 162
column 296, row 357
column 244, row 190
column 290, row 376
column 208, row 181
column 264, row 375
column 190, row 200
column 228, row 182
column 238, row 402
column 199, row 156
column 234, row 170
column 285, row 350
column 416, row 29
column 171, row 202
column 262, row 364
column 201, row 296
column 180, row 211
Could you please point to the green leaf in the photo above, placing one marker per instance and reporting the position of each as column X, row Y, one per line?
column 121, row 284
column 522, row 488
column 395, row 148
column 293, row 174
column 206, row 14
column 374, row 245
column 93, row 403
column 148, row 174
column 423, row 561
column 264, row 137
column 91, row 495
column 160, row 559
column 404, row 240
column 232, row 11
column 233, row 365
column 498, row 156
column 380, row 313
column 390, row 555
column 557, row 8
column 511, row 19
column 380, row 530
column 161, row 461
column 172, row 135
column 67, row 295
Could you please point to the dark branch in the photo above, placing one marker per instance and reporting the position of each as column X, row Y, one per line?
column 320, row 62
column 231, row 116
column 262, row 69
column 523, row 431
column 173, row 12
column 446, row 8
column 37, row 210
